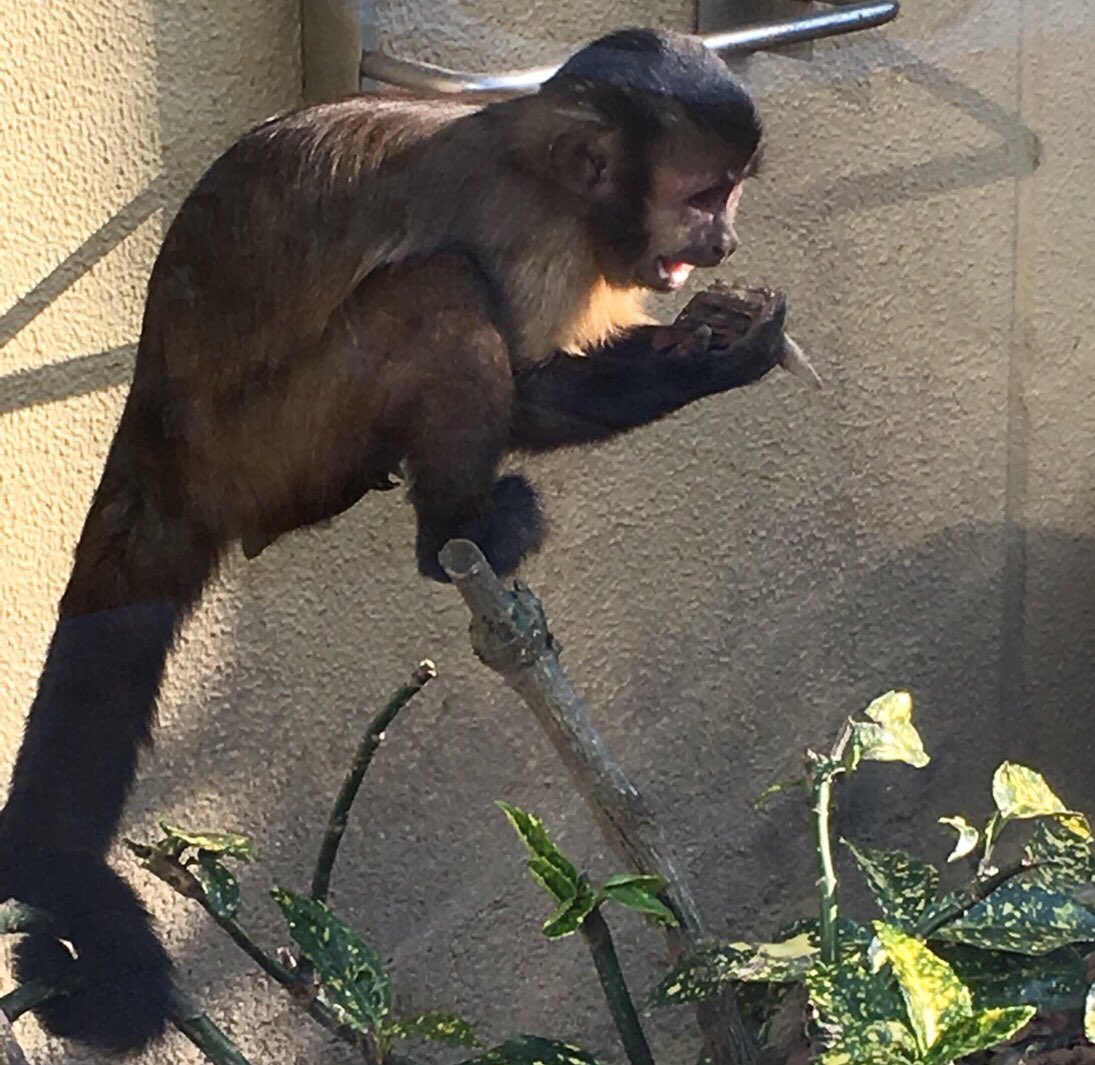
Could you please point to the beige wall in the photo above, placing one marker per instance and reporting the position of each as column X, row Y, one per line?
column 726, row 584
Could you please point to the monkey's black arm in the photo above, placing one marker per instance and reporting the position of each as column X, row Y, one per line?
column 647, row 373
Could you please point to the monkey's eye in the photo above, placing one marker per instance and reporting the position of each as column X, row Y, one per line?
column 713, row 198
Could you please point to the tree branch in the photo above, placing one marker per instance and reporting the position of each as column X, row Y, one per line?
column 336, row 823
column 509, row 633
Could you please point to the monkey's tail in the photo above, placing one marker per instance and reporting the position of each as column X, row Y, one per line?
column 140, row 566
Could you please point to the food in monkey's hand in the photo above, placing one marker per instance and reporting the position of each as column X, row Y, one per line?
column 720, row 315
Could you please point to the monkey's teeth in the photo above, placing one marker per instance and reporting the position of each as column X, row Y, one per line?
column 672, row 273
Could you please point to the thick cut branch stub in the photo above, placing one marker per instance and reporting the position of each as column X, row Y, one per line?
column 510, row 634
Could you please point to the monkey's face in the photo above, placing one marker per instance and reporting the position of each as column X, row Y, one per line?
column 689, row 222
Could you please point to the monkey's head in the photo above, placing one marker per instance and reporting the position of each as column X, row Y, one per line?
column 656, row 136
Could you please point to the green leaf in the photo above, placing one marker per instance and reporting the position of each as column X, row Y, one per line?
column 353, row 980
column 968, row 837
column 229, row 844
column 549, row 866
column 979, row 1032
column 440, row 1027
column 935, row 998
column 551, row 880
column 1051, row 982
column 568, row 918
column 653, row 885
column 708, row 969
column 636, row 897
column 222, row 890
column 858, row 1012
column 1089, row 1015
column 902, row 886
column 532, row 1050
column 1025, row 918
column 1020, row 792
column 889, row 736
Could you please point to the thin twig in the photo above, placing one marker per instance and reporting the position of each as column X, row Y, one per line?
column 336, row 823
column 597, row 935
column 509, row 633
column 182, row 881
column 974, row 892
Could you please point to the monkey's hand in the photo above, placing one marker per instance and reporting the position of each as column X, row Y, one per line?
column 745, row 326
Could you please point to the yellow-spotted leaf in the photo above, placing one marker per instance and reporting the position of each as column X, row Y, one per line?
column 1023, row 917
column 532, row 1050
column 1051, row 982
column 1020, row 792
column 968, row 837
column 438, row 1027
column 708, row 969
column 979, row 1032
column 889, row 735
column 228, row 844
column 935, row 998
column 878, row 1043
column 902, row 886
column 222, row 890
column 352, row 980
column 856, row 1008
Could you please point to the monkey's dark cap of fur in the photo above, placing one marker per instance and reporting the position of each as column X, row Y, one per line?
column 660, row 63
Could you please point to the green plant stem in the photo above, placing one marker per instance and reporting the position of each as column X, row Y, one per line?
column 18, row 917
column 188, row 1018
column 827, row 883
column 823, row 772
column 173, row 873
column 25, row 997
column 974, row 892
column 203, row 1032
column 336, row 823
column 599, row 939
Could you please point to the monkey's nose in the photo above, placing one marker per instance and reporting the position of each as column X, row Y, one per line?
column 724, row 247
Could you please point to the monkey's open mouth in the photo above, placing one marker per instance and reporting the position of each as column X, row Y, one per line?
column 672, row 273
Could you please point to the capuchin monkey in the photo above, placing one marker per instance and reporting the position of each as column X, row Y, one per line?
column 382, row 283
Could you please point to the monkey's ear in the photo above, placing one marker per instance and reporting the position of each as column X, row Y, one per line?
column 585, row 161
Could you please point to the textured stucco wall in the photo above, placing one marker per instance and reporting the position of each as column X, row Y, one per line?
column 726, row 584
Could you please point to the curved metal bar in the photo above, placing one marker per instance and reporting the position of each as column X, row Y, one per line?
column 425, row 77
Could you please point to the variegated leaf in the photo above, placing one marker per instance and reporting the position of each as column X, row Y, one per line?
column 979, row 1032
column 1022, row 917
column 438, row 1027
column 935, row 998
column 902, row 886
column 353, row 981
column 1020, row 792
column 229, row 844
column 551, row 869
column 849, row 999
column 968, row 837
column 532, row 1050
column 1052, row 982
column 889, row 736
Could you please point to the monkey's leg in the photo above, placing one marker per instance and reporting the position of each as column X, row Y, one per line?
column 646, row 374
column 458, row 426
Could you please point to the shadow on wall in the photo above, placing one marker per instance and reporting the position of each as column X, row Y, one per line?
column 928, row 620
